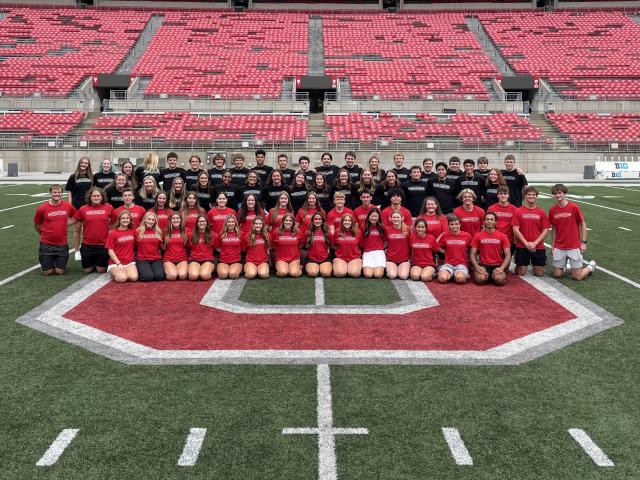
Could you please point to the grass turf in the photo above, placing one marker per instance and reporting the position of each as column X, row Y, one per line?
column 134, row 419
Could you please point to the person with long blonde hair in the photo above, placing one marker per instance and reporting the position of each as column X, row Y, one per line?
column 177, row 192
column 120, row 247
column 148, row 244
column 256, row 244
column 285, row 241
column 228, row 243
column 398, row 252
column 149, row 167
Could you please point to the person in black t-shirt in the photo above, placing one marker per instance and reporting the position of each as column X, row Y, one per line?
column 516, row 180
column 78, row 184
column 203, row 191
column 114, row 191
column 415, row 191
column 171, row 171
column 105, row 176
column 453, row 172
column 274, row 188
column 218, row 169
column 298, row 190
column 190, row 176
column 146, row 196
column 239, row 171
column 351, row 167
column 483, row 167
column 427, row 169
column 472, row 181
column 401, row 172
column 381, row 195
column 442, row 188
column 231, row 190
column 328, row 170
column 252, row 186
column 374, row 167
column 343, row 184
column 322, row 191
column 304, row 164
column 149, row 167
column 260, row 168
column 287, row 173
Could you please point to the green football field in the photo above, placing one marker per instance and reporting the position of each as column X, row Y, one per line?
column 68, row 413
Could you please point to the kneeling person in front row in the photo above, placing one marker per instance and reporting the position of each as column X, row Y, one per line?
column 494, row 249
column 455, row 246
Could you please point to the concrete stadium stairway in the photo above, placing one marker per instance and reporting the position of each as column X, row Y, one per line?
column 150, row 29
column 316, row 136
column 548, row 131
column 476, row 27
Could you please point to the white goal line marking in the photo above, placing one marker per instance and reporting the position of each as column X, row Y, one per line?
column 590, row 448
column 457, row 447
column 327, row 462
column 319, row 291
column 57, row 448
column 192, row 447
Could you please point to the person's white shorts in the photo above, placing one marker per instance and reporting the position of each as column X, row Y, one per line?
column 374, row 259
column 113, row 265
column 560, row 258
column 453, row 269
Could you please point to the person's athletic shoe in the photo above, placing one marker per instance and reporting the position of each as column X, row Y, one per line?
column 77, row 256
column 568, row 266
column 591, row 266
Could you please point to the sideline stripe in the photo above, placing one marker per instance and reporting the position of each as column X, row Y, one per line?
column 192, row 447
column 327, row 463
column 457, row 447
column 20, row 206
column 58, row 446
column 602, row 206
column 623, row 188
column 5, row 186
column 23, row 272
column 590, row 447
column 319, row 291
column 609, row 272
column 7, row 227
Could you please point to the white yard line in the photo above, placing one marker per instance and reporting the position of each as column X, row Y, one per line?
column 57, row 448
column 20, row 206
column 457, row 447
column 23, row 272
column 327, row 462
column 613, row 274
column 319, row 291
column 622, row 188
column 5, row 186
column 608, row 208
column 625, row 229
column 6, row 227
column 192, row 447
column 590, row 448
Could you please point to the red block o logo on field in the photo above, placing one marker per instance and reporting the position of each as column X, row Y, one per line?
column 208, row 323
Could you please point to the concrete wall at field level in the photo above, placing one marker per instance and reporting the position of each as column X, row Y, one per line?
column 534, row 162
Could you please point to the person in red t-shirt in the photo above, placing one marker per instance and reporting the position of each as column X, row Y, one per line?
column 285, row 241
column 201, row 258
column 455, row 246
column 51, row 221
column 310, row 207
column 257, row 243
column 317, row 242
column 363, row 210
column 229, row 245
column 162, row 210
column 432, row 213
column 530, row 227
column 136, row 211
column 121, row 246
column 175, row 248
column 148, row 254
column 334, row 217
column 423, row 246
column 219, row 213
column 495, row 253
column 504, row 215
column 277, row 213
column 471, row 216
column 396, row 197
column 569, row 236
column 346, row 240
column 374, row 259
column 95, row 218
column 398, row 251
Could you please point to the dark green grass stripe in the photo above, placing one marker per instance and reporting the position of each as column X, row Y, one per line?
column 279, row 291
column 359, row 291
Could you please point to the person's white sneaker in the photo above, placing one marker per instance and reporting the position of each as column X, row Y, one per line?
column 77, row 256
column 568, row 266
column 591, row 266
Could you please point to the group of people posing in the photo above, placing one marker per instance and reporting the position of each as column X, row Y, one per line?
column 148, row 223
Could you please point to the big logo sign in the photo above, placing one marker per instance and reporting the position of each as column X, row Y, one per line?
column 207, row 322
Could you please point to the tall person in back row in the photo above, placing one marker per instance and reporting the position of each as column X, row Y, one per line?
column 78, row 184
column 516, row 181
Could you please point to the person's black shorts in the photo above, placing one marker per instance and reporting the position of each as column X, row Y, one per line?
column 53, row 256
column 489, row 269
column 525, row 257
column 200, row 262
column 94, row 256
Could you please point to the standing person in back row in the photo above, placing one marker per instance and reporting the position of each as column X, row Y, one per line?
column 260, row 168
column 78, row 185
column 170, row 171
column 569, row 236
column 401, row 171
column 352, row 167
column 516, row 181
column 190, row 176
column 530, row 227
column 50, row 221
column 287, row 173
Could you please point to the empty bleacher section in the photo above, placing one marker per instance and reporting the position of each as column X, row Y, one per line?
column 174, row 128
column 598, row 129
column 224, row 54
column 584, row 55
column 26, row 125
column 50, row 51
column 465, row 129
column 409, row 56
